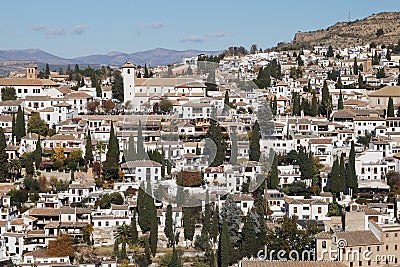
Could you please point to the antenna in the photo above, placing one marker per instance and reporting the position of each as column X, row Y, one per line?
column 349, row 16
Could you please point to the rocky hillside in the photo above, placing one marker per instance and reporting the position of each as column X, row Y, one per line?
column 379, row 28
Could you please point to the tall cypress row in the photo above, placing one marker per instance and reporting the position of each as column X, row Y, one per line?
column 255, row 153
column 224, row 246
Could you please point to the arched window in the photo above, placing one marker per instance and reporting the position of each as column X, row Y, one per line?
column 323, row 244
column 129, row 71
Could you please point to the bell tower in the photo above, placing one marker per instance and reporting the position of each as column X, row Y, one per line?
column 31, row 72
column 128, row 75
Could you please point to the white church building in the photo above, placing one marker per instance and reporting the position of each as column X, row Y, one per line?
column 138, row 92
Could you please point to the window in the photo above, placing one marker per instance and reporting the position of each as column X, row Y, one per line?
column 129, row 71
column 323, row 244
column 295, row 210
column 319, row 210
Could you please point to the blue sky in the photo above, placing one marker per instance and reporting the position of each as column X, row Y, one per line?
column 76, row 28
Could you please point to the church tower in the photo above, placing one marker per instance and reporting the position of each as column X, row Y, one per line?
column 31, row 72
column 128, row 75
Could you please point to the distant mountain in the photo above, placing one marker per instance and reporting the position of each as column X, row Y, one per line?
column 34, row 55
column 381, row 28
column 154, row 57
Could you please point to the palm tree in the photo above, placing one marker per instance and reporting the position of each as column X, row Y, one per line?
column 122, row 233
column 14, row 168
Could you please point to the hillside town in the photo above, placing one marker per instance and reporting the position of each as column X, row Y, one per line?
column 214, row 161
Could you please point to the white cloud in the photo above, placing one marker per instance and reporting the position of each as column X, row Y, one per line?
column 152, row 25
column 79, row 29
column 39, row 27
column 195, row 38
column 199, row 38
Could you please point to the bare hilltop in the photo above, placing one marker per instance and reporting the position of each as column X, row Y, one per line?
column 381, row 28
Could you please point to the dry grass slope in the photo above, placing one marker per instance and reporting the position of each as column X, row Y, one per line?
column 358, row 32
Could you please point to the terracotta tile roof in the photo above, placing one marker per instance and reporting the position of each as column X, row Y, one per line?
column 368, row 118
column 393, row 91
column 358, row 238
column 44, row 212
column 52, row 225
column 26, row 82
column 320, row 141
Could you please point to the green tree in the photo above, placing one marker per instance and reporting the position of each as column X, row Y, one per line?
column 314, row 106
column 335, row 178
column 144, row 210
column 133, row 230
column 330, row 52
column 47, row 71
column 296, row 104
column 326, row 100
column 342, row 173
column 390, row 108
column 99, row 91
column 3, row 157
column 117, row 88
column 360, row 80
column 89, row 148
column 38, row 153
column 231, row 214
column 8, row 93
column 224, row 246
column 273, row 178
column 352, row 181
column 146, row 72
column 248, row 245
column 355, row 67
column 214, row 225
column 334, row 209
column 153, row 226
column 188, row 223
column 122, row 234
column 340, row 101
column 381, row 73
column 215, row 134
column 166, row 106
column 255, row 153
column 37, row 125
column 168, row 230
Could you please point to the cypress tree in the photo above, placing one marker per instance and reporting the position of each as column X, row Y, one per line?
column 296, row 104
column 89, row 148
column 99, row 91
column 214, row 133
column 335, row 178
column 133, row 229
column 226, row 99
column 20, row 125
column 314, row 106
column 188, row 223
column 214, row 225
column 305, row 106
column 390, row 108
column 255, row 153
column 355, row 67
column 224, row 246
column 174, row 259
column 168, row 230
column 113, row 146
column 206, row 216
column 340, row 101
column 38, row 153
column 234, row 149
column 248, row 242
column 153, row 226
column 141, row 154
column 273, row 180
column 147, row 251
column 47, row 71
column 342, row 173
column 352, row 181
column 146, row 72
column 275, row 106
column 143, row 210
column 326, row 100
column 3, row 157
column 398, row 111
column 360, row 81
